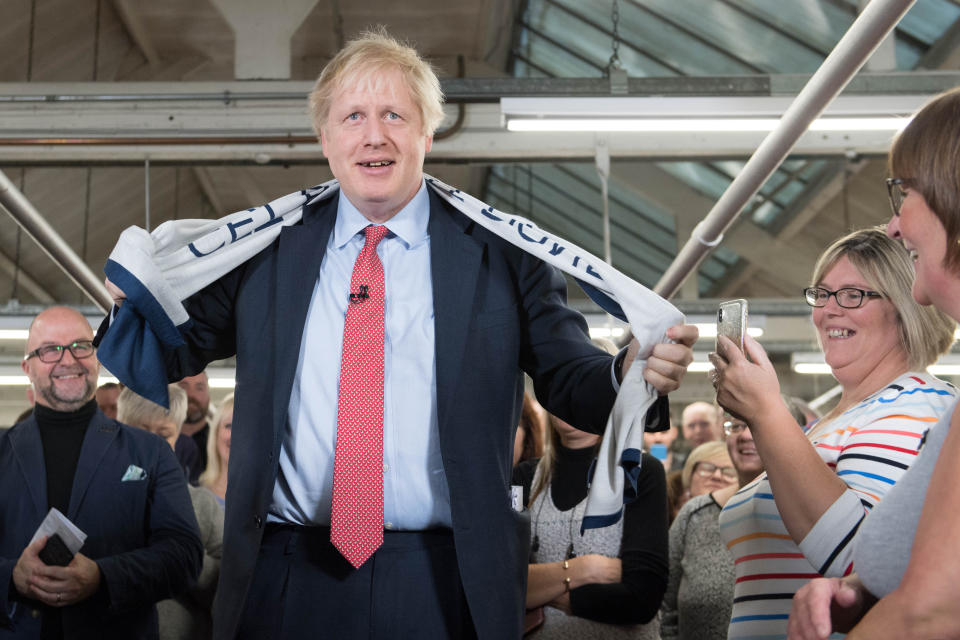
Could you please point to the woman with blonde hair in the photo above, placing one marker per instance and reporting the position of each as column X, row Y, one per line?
column 799, row 519
column 908, row 551
column 708, row 468
column 214, row 476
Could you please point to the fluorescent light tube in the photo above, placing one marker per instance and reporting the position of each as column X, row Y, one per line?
column 709, row 330
column 702, row 113
column 696, row 125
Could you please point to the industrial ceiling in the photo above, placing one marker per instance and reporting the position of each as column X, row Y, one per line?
column 128, row 112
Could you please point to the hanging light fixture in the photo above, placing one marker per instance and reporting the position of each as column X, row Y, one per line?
column 701, row 113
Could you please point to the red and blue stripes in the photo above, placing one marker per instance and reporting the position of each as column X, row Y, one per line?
column 869, row 447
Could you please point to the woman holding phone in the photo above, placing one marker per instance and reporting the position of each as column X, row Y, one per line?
column 797, row 521
column 908, row 554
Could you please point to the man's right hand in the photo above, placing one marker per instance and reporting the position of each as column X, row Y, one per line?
column 28, row 567
column 115, row 292
column 55, row 586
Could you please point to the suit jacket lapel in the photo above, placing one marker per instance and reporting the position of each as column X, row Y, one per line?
column 28, row 450
column 455, row 258
column 299, row 256
column 100, row 434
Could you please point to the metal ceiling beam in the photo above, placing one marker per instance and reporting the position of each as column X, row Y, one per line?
column 478, row 89
column 476, row 147
column 262, row 33
column 709, row 43
column 166, row 119
column 587, row 20
column 773, row 26
column 130, row 18
column 37, row 227
column 202, row 174
column 748, row 240
column 127, row 133
column 856, row 7
column 822, row 194
column 945, row 52
column 856, row 45
column 25, row 280
column 563, row 47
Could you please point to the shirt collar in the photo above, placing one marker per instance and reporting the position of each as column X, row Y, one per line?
column 409, row 224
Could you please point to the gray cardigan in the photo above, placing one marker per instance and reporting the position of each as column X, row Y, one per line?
column 699, row 594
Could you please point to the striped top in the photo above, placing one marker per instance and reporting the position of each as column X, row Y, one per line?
column 869, row 446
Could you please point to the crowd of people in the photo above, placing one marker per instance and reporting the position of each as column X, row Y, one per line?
column 392, row 477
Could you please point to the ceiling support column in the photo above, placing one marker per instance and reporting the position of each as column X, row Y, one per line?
column 262, row 33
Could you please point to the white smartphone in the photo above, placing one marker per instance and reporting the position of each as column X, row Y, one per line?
column 732, row 322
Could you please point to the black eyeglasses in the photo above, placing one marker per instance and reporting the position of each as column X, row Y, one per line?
column 848, row 297
column 51, row 353
column 733, row 427
column 896, row 193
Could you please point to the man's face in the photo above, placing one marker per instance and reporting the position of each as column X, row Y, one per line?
column 70, row 383
column 700, row 424
column 198, row 397
column 107, row 401
column 374, row 141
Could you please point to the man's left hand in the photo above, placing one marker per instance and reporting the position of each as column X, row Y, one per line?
column 667, row 364
column 62, row 586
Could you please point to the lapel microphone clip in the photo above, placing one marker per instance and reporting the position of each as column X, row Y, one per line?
column 364, row 293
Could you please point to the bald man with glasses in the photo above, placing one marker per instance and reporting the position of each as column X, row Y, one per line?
column 121, row 486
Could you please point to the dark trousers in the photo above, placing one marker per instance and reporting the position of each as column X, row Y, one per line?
column 303, row 588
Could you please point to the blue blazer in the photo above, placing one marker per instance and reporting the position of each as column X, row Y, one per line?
column 142, row 533
column 498, row 311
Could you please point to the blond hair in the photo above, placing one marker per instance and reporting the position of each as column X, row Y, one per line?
column 545, row 466
column 137, row 411
column 214, row 463
column 365, row 60
column 704, row 452
column 924, row 332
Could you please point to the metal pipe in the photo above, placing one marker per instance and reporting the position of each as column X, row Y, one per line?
column 146, row 193
column 477, row 90
column 156, row 141
column 864, row 36
column 30, row 220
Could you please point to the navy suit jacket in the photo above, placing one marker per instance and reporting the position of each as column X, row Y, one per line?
column 142, row 534
column 497, row 310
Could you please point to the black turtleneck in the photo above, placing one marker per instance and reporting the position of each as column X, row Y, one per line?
column 568, row 486
column 643, row 547
column 61, row 433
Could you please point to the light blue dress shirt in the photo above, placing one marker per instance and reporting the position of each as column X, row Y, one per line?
column 415, row 491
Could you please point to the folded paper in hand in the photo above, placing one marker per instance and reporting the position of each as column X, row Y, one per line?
column 58, row 524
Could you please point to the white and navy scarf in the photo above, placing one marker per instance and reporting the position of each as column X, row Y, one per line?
column 159, row 270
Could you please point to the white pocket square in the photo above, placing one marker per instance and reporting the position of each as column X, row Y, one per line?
column 134, row 473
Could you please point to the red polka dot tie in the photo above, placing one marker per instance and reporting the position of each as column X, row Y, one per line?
column 356, row 518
